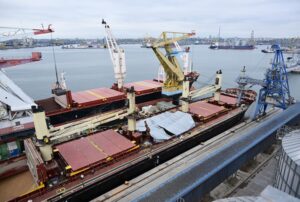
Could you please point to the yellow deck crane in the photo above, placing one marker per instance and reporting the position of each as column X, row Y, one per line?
column 174, row 73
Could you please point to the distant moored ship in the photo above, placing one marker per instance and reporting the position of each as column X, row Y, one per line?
column 241, row 45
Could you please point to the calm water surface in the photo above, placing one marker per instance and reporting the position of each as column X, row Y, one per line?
column 92, row 68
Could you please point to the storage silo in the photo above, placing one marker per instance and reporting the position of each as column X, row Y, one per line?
column 288, row 170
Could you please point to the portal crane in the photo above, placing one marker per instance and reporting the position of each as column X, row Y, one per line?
column 13, row 32
column 117, row 56
column 275, row 86
column 173, row 71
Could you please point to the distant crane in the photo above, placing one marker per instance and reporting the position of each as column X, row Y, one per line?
column 174, row 73
column 275, row 86
column 117, row 56
column 13, row 32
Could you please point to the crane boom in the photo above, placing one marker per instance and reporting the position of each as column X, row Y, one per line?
column 188, row 95
column 117, row 56
column 15, row 31
column 174, row 73
column 163, row 39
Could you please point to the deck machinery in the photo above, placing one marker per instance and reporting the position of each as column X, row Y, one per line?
column 174, row 73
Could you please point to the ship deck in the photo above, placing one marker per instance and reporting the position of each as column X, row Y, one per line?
column 142, row 155
column 99, row 97
column 96, row 148
column 144, row 87
column 49, row 105
column 204, row 110
column 96, row 96
column 227, row 100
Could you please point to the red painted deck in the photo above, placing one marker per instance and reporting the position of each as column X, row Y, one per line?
column 227, row 100
column 204, row 109
column 97, row 96
column 89, row 150
column 144, row 87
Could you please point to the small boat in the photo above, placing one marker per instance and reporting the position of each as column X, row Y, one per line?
column 268, row 50
column 293, row 64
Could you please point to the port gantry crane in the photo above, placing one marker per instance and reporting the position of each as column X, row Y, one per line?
column 117, row 56
column 275, row 86
column 173, row 71
column 13, row 32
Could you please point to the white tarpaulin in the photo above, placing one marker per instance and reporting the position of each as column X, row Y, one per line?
column 174, row 122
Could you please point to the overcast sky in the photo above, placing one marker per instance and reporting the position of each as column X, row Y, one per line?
column 137, row 18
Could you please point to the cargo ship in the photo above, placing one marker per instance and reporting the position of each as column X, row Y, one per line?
column 81, row 165
column 234, row 47
column 240, row 45
column 268, row 50
column 99, row 138
column 83, row 46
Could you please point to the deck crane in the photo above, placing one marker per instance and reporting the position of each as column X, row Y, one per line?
column 186, row 62
column 13, row 32
column 171, row 66
column 275, row 86
column 188, row 96
column 117, row 56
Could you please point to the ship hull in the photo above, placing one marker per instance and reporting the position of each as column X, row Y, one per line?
column 247, row 47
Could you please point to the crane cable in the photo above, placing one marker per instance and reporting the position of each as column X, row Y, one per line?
column 55, row 65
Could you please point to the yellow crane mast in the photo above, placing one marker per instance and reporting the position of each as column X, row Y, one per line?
column 172, row 68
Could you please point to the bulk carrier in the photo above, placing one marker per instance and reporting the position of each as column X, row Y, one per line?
column 89, row 142
column 234, row 45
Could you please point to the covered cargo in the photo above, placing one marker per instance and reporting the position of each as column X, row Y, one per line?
column 166, row 124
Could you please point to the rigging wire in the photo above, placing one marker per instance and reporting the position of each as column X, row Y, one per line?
column 257, row 66
column 55, row 65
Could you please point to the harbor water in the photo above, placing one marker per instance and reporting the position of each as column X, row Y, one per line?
column 92, row 68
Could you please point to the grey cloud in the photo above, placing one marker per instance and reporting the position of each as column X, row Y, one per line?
column 135, row 18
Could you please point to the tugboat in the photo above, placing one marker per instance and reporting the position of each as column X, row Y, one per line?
column 268, row 50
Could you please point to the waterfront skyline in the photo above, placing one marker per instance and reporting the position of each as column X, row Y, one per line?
column 136, row 19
